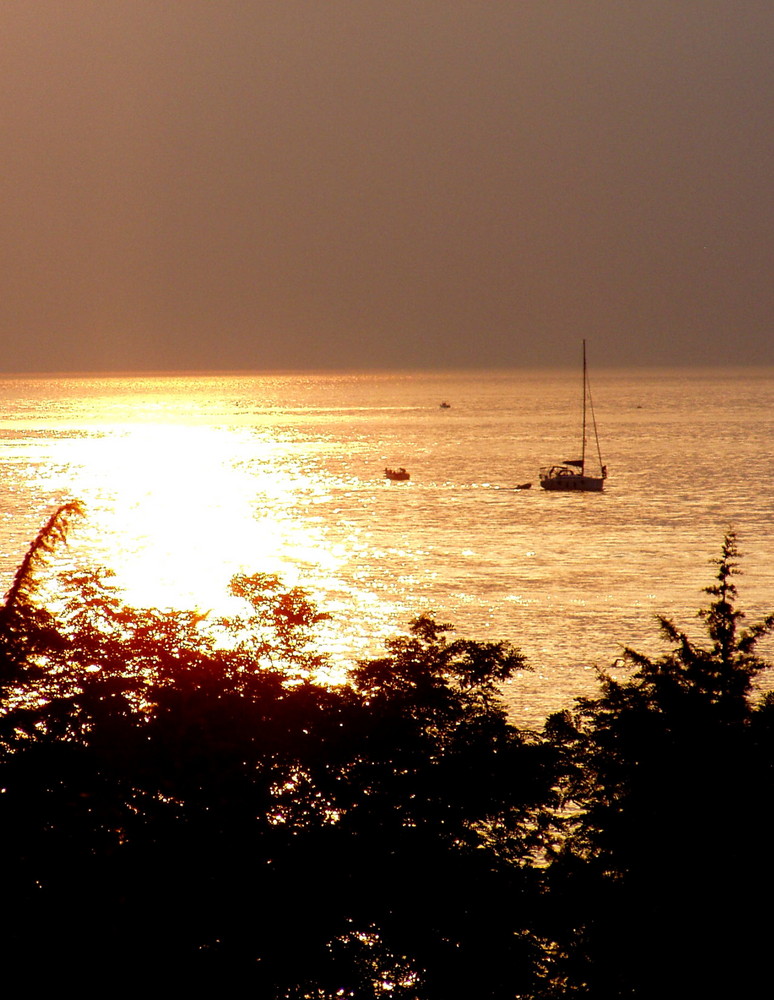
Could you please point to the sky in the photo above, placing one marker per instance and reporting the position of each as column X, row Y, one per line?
column 268, row 185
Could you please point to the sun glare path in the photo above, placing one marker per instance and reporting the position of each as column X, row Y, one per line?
column 175, row 511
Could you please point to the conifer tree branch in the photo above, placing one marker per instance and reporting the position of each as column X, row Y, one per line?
column 25, row 582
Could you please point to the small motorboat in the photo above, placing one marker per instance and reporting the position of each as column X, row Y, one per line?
column 397, row 475
column 523, row 486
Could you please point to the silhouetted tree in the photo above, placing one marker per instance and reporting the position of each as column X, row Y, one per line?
column 208, row 810
column 183, row 801
column 662, row 884
column 26, row 628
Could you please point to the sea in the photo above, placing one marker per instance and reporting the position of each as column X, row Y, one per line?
column 186, row 480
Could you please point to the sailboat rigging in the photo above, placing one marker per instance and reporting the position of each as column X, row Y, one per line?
column 571, row 474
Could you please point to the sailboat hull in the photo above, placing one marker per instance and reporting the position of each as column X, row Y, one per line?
column 571, row 482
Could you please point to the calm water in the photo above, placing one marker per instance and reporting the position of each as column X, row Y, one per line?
column 188, row 480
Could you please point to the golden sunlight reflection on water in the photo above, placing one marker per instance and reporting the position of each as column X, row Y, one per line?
column 180, row 511
column 187, row 481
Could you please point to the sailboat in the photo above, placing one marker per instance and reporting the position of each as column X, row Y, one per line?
column 573, row 474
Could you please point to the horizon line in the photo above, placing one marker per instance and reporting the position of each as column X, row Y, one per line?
column 453, row 370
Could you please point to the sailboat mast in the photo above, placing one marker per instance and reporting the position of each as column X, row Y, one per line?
column 583, row 447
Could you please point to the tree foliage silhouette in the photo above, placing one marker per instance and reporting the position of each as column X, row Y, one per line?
column 183, row 800
column 26, row 628
column 211, row 807
column 662, row 878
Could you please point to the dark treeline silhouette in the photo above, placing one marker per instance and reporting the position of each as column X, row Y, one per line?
column 184, row 804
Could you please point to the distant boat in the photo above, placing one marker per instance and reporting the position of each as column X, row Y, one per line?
column 524, row 486
column 445, row 405
column 397, row 475
column 571, row 474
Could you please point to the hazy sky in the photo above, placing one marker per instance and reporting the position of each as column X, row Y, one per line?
column 238, row 184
